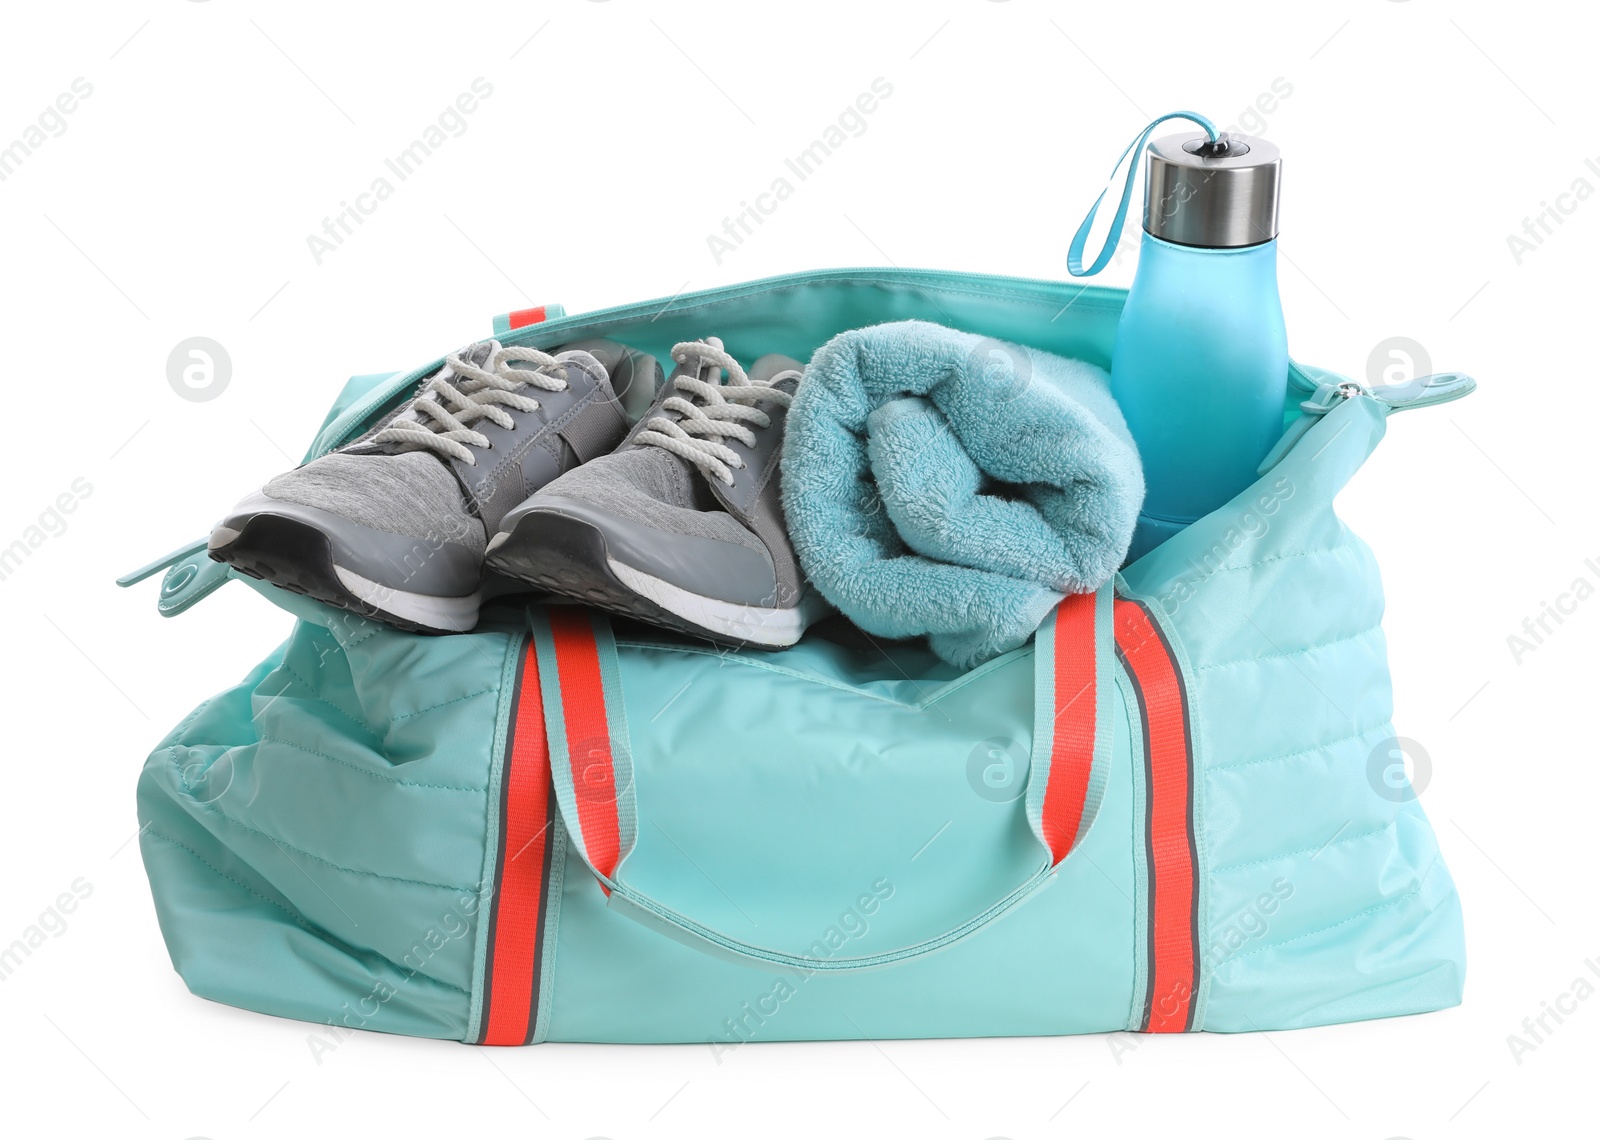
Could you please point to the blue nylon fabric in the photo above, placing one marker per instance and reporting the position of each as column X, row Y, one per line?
column 315, row 836
column 1328, row 900
column 313, row 850
column 1021, row 771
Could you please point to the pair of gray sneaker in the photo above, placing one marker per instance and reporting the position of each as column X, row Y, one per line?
column 515, row 462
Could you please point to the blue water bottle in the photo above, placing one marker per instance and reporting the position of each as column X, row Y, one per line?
column 1201, row 360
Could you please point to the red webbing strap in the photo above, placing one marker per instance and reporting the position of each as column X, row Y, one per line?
column 1072, row 740
column 518, row 905
column 1173, row 973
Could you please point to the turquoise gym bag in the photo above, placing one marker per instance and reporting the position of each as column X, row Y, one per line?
column 1178, row 808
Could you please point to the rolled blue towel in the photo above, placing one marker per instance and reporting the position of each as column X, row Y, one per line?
column 941, row 483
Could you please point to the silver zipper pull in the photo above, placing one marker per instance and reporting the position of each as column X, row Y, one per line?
column 1422, row 392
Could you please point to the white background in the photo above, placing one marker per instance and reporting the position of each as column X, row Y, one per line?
column 218, row 135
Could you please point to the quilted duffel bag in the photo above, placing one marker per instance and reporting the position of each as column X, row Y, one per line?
column 1176, row 809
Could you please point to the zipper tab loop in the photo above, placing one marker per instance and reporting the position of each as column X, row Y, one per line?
column 1422, row 392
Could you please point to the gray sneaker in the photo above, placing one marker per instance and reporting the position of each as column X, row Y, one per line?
column 393, row 526
column 682, row 525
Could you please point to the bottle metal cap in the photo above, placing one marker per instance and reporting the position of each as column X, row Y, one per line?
column 1198, row 193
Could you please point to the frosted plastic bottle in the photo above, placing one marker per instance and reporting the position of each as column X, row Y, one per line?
column 1200, row 364
column 1200, row 369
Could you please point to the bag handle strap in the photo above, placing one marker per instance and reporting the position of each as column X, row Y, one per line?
column 592, row 769
column 1135, row 148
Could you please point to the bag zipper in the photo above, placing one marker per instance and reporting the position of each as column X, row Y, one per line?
column 1066, row 291
column 1423, row 392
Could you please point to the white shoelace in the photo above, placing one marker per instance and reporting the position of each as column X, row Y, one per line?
column 445, row 409
column 713, row 411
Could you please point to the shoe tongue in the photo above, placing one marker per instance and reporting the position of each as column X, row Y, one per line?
column 584, row 360
column 766, row 369
column 477, row 354
column 675, row 478
column 710, row 373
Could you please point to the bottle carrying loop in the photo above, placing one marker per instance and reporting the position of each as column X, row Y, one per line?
column 1135, row 148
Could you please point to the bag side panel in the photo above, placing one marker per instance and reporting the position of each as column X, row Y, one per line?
column 1328, row 900
column 315, row 836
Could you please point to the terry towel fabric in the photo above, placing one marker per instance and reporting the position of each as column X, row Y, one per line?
column 942, row 483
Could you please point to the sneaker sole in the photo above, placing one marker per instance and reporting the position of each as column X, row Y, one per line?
column 569, row 557
column 298, row 557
